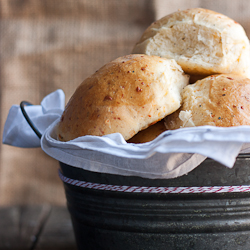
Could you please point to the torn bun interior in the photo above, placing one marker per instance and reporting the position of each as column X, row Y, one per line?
column 221, row 100
column 202, row 42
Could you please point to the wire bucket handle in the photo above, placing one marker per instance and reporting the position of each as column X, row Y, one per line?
column 22, row 105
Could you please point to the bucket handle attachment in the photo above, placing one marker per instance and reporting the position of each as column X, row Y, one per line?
column 22, row 105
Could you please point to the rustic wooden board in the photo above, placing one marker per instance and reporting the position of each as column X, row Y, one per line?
column 36, row 227
column 57, row 232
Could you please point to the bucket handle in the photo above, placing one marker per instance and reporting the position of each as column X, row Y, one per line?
column 22, row 105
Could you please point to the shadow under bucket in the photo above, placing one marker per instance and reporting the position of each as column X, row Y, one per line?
column 209, row 208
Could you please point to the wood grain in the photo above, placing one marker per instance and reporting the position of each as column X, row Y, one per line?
column 46, row 46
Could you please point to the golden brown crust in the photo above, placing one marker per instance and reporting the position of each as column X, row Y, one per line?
column 149, row 133
column 203, row 42
column 126, row 95
column 218, row 100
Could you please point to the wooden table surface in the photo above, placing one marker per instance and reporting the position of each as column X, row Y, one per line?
column 36, row 227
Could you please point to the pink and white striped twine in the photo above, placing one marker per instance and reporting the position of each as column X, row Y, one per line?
column 164, row 190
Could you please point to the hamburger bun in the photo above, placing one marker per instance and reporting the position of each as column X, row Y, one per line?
column 124, row 96
column 202, row 42
column 221, row 100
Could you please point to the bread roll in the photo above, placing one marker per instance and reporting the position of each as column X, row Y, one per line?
column 219, row 100
column 126, row 95
column 202, row 42
column 149, row 134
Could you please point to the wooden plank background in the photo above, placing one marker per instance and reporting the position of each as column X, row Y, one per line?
column 40, row 227
column 51, row 44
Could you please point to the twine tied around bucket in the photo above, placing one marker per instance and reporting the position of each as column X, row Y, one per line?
column 163, row 190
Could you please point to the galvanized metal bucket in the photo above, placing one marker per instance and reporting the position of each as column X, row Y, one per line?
column 209, row 208
column 205, row 219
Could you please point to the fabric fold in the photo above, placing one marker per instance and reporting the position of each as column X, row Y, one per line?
column 171, row 154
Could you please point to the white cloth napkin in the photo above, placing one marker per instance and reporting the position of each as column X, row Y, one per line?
column 17, row 131
column 172, row 154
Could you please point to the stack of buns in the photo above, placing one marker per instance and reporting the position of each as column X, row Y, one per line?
column 190, row 68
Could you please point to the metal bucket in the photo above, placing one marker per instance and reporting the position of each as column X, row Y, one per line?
column 207, row 209
column 124, row 214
